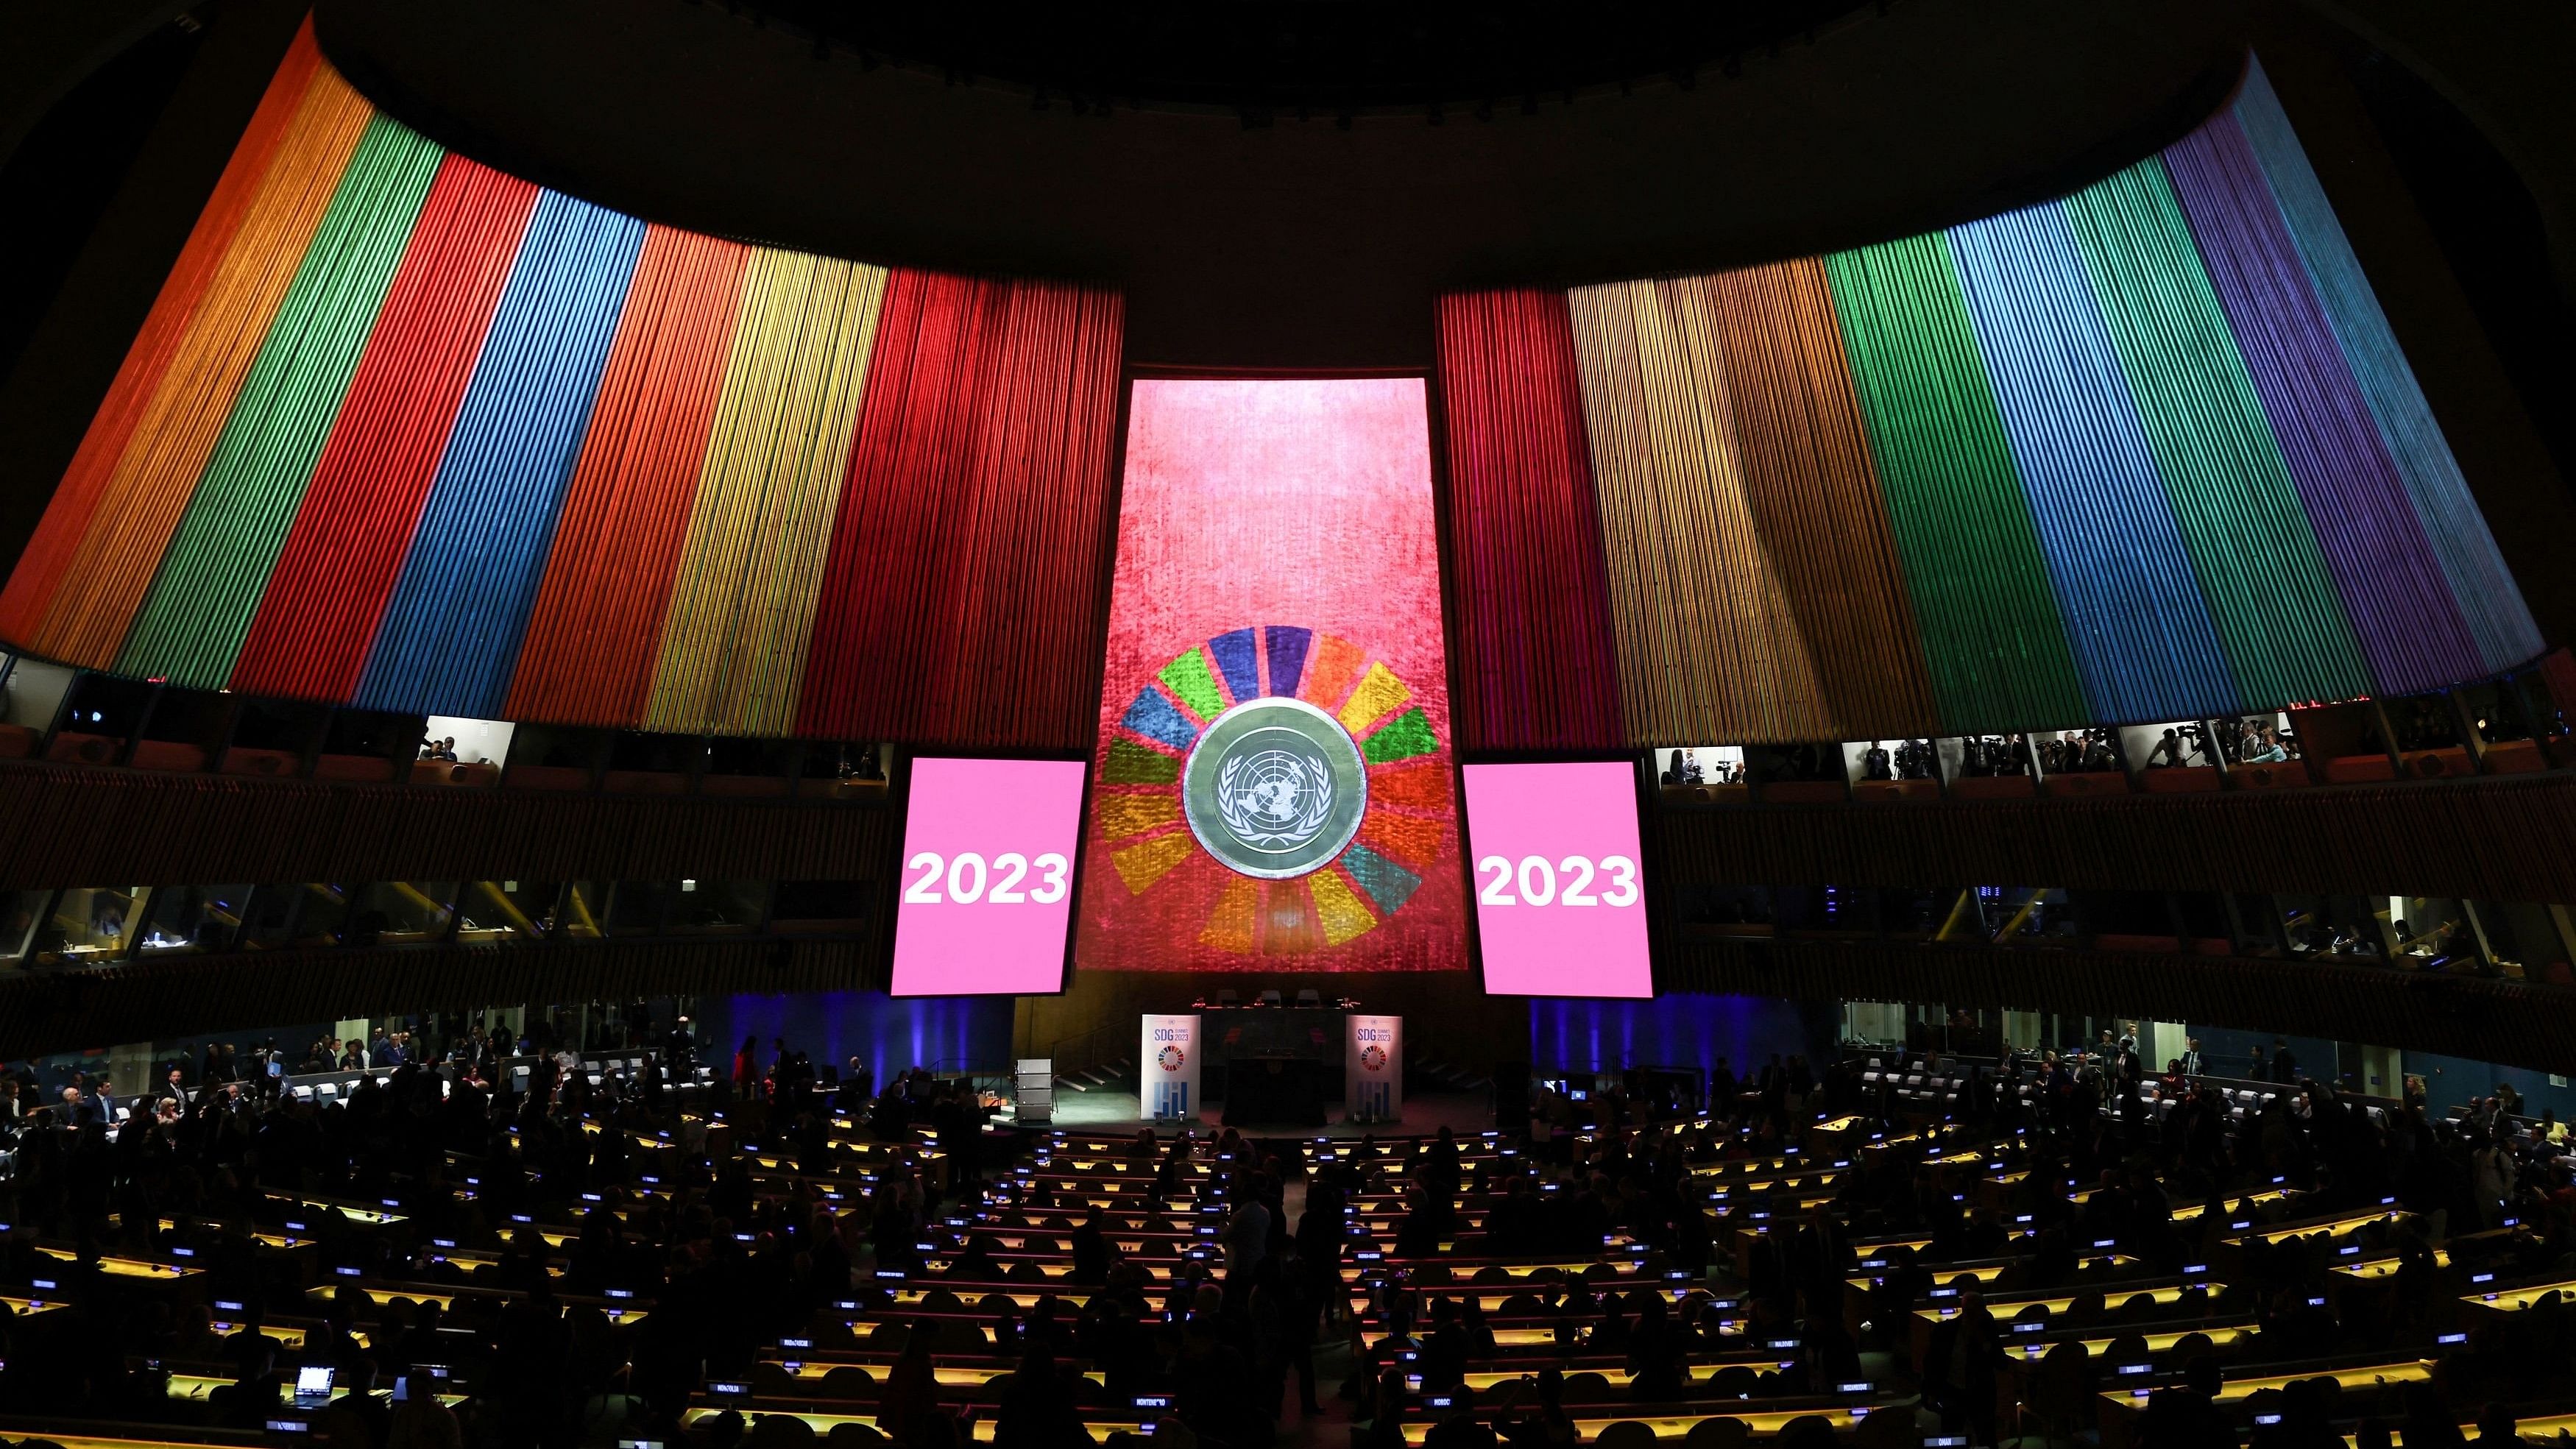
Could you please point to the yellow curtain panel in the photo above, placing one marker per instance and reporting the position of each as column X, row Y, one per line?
column 733, row 646
column 1709, row 645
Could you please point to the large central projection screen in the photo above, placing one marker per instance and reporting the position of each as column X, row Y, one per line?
column 1273, row 788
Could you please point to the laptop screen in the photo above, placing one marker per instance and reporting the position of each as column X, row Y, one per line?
column 313, row 1381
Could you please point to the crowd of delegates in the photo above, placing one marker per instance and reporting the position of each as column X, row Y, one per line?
column 2480, row 1168
column 728, row 1262
column 725, row 1264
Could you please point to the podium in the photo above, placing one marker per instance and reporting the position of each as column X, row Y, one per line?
column 1167, row 1069
column 1373, row 1070
column 1033, row 1091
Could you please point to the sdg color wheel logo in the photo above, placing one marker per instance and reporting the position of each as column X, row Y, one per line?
column 1170, row 1058
column 1372, row 1058
column 1297, row 761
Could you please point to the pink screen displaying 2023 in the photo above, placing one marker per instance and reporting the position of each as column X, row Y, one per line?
column 1560, row 895
column 987, row 889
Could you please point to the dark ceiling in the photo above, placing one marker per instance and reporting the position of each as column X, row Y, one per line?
column 1301, row 58
column 1247, row 238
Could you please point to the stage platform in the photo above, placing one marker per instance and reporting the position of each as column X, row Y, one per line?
column 1424, row 1113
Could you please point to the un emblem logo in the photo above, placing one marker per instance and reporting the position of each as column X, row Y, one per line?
column 1275, row 788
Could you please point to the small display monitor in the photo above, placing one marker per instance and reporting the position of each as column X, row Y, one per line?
column 1560, row 893
column 986, row 897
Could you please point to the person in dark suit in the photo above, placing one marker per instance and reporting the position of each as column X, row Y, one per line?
column 2285, row 1066
column 2191, row 1061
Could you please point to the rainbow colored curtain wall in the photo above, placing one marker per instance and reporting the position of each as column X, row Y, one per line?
column 407, row 433
column 2149, row 452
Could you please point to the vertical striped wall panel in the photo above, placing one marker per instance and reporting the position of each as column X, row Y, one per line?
column 404, row 432
column 2390, row 584
column 1535, row 663
column 192, row 622
column 1045, row 548
column 453, row 625
column 1709, row 645
column 596, row 632
column 1816, row 497
column 960, row 591
column 1992, row 637
column 86, row 620
column 742, row 602
column 2143, row 453
column 2259, row 564
column 59, row 532
column 2131, row 598
column 318, row 617
column 2478, row 578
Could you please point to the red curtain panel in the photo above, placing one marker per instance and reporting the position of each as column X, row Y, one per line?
column 310, row 637
column 596, row 631
column 961, row 597
column 67, row 519
column 1530, row 608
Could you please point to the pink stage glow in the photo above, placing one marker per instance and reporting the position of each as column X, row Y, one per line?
column 987, row 889
column 1560, row 895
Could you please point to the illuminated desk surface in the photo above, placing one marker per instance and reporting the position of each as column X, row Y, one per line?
column 197, row 1386
column 1793, row 1181
column 1159, row 1272
column 285, row 1334
column 1618, row 1377
column 2112, row 1297
column 445, row 1299
column 953, row 1375
column 1622, row 1268
column 2190, row 1212
column 1791, row 1216
column 1941, row 1277
column 1021, row 1242
column 2514, row 1300
column 971, row 1294
column 2411, row 1371
column 1944, row 1275
column 1493, row 1302
column 263, row 1238
column 823, row 1424
column 2219, row 1335
column 24, row 1306
column 353, row 1211
column 1872, row 1247
column 1056, row 1220
column 2334, row 1227
column 117, row 1267
column 2386, row 1267
column 1503, row 1337
column 1678, row 1426
column 1750, row 1166
column 106, row 1441
column 863, row 1325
